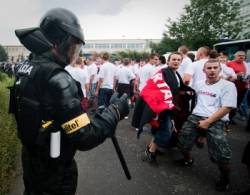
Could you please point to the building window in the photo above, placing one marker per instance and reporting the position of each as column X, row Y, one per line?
column 131, row 46
column 117, row 45
column 139, row 45
column 102, row 45
column 88, row 46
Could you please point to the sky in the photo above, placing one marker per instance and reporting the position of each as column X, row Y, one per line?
column 100, row 19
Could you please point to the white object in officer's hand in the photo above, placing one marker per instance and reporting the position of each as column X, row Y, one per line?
column 55, row 143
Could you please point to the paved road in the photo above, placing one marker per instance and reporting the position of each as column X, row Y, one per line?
column 100, row 172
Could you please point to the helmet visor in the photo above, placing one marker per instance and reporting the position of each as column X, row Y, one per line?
column 76, row 32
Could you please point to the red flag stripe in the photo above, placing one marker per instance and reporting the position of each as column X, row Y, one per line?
column 157, row 94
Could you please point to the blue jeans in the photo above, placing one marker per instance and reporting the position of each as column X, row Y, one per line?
column 104, row 96
column 92, row 91
column 162, row 134
column 243, row 108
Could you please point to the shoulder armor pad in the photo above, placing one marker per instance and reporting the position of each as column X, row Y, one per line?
column 61, row 80
column 63, row 87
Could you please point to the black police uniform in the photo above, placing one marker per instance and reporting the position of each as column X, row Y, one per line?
column 44, row 91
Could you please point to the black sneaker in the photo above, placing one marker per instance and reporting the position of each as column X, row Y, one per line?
column 149, row 156
column 185, row 163
column 222, row 184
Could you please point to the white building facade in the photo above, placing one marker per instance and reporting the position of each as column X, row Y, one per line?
column 19, row 52
column 116, row 45
column 16, row 53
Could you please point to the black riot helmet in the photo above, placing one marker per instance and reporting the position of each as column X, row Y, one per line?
column 61, row 28
column 58, row 23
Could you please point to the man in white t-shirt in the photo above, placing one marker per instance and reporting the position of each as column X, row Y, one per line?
column 79, row 74
column 124, row 76
column 105, row 86
column 194, row 71
column 92, row 73
column 216, row 97
column 147, row 71
column 135, row 67
column 125, row 79
column 186, row 61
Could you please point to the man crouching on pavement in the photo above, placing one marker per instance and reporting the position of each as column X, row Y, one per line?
column 215, row 99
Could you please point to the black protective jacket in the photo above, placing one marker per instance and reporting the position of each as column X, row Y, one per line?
column 44, row 91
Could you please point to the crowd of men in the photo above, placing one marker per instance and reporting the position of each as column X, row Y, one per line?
column 221, row 86
column 99, row 77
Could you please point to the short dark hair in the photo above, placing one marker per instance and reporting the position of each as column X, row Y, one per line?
column 213, row 54
column 137, row 60
column 126, row 61
column 191, row 56
column 224, row 53
column 105, row 56
column 79, row 61
column 152, row 55
column 174, row 53
column 162, row 59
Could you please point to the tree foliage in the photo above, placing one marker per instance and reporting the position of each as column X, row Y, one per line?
column 130, row 54
column 246, row 34
column 166, row 45
column 81, row 54
column 203, row 22
column 3, row 54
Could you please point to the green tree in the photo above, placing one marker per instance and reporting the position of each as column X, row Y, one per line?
column 246, row 34
column 204, row 22
column 3, row 54
column 166, row 45
column 130, row 54
column 81, row 54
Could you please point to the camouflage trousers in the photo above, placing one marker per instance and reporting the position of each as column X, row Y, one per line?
column 218, row 147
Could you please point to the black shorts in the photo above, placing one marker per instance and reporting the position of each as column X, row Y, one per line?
column 123, row 88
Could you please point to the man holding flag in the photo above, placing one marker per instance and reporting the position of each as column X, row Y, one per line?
column 157, row 104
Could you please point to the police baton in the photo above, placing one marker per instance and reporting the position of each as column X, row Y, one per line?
column 121, row 157
column 116, row 145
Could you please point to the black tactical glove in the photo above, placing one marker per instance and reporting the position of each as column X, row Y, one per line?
column 120, row 104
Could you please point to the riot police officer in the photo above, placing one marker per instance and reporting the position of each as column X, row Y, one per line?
column 46, row 104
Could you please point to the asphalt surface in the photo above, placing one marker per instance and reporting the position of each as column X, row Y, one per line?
column 100, row 172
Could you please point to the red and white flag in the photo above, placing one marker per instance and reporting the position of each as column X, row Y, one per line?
column 157, row 94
